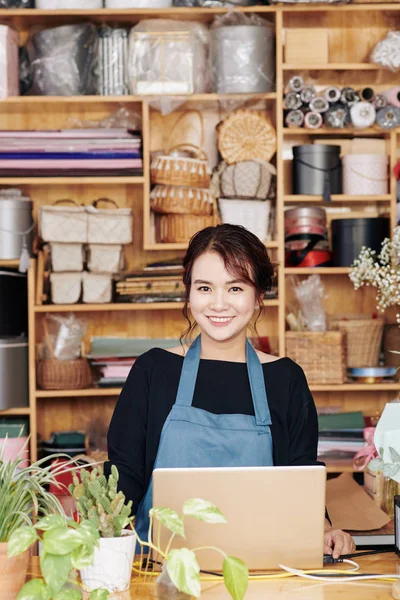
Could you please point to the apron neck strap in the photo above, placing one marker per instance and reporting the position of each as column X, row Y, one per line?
column 187, row 382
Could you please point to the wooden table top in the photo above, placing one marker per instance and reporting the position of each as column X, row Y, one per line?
column 293, row 588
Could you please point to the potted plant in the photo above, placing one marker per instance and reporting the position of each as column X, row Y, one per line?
column 100, row 504
column 180, row 566
column 66, row 546
column 23, row 496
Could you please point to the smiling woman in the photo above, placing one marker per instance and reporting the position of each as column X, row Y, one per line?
column 207, row 402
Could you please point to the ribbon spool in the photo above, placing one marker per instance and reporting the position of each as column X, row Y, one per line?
column 307, row 94
column 367, row 94
column 292, row 101
column 337, row 116
column 363, row 115
column 332, row 94
column 380, row 101
column 319, row 104
column 296, row 83
column 388, row 117
column 313, row 120
column 294, row 118
column 349, row 96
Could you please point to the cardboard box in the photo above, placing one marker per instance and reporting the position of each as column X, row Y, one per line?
column 306, row 46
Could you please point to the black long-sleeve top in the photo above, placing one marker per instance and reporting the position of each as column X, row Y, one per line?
column 221, row 388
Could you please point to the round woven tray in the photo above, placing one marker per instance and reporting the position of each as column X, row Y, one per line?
column 246, row 135
column 167, row 199
column 177, row 228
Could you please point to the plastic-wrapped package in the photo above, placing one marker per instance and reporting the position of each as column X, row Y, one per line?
column 68, row 4
column 310, row 294
column 63, row 60
column 16, row 3
column 9, row 78
column 169, row 57
column 113, row 61
column 242, row 54
column 386, row 53
column 64, row 335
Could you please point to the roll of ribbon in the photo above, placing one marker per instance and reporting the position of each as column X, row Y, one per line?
column 313, row 120
column 292, row 101
column 367, row 94
column 388, row 117
column 332, row 94
column 319, row 104
column 349, row 96
column 296, row 83
column 307, row 94
column 362, row 115
column 337, row 116
column 380, row 101
column 294, row 118
column 393, row 96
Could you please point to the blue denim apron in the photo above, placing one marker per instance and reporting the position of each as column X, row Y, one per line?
column 192, row 437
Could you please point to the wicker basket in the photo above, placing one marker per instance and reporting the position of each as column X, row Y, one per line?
column 53, row 374
column 65, row 224
column 167, row 199
column 363, row 339
column 109, row 225
column 322, row 355
column 179, row 228
column 246, row 135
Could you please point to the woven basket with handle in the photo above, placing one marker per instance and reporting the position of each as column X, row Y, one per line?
column 167, row 199
column 177, row 228
column 363, row 339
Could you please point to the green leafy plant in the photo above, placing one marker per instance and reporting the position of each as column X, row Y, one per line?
column 100, row 503
column 181, row 564
column 66, row 546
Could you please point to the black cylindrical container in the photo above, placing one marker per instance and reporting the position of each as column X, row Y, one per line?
column 13, row 304
column 312, row 164
column 349, row 235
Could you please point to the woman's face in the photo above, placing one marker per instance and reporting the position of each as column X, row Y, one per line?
column 221, row 304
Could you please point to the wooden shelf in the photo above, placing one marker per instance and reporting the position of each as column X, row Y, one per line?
column 357, row 387
column 336, row 198
column 332, row 67
column 289, row 131
column 25, row 410
column 319, row 270
column 9, row 263
column 88, row 393
column 82, row 100
column 118, row 307
column 73, row 180
column 273, row 244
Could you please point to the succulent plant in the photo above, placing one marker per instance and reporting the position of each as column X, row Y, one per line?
column 99, row 502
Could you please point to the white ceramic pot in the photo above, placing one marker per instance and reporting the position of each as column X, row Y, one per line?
column 112, row 565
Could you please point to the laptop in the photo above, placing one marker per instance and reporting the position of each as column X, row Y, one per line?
column 275, row 515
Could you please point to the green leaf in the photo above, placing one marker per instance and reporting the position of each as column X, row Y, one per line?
column 395, row 456
column 55, row 570
column 35, row 589
column 184, row 571
column 61, row 540
column 203, row 510
column 88, row 533
column 68, row 594
column 82, row 557
column 21, row 540
column 170, row 519
column 50, row 521
column 99, row 594
column 236, row 577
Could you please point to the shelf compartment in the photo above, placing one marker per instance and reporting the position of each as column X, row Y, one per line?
column 74, row 180
column 336, row 198
column 318, row 270
column 118, row 307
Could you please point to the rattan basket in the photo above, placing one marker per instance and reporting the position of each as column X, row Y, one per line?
column 180, row 228
column 167, row 199
column 246, row 135
column 363, row 339
column 322, row 355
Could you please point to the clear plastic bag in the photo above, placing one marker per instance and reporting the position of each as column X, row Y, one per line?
column 310, row 294
column 64, row 336
column 168, row 57
column 113, row 61
column 242, row 54
column 386, row 53
column 62, row 60
column 9, row 61
column 122, row 118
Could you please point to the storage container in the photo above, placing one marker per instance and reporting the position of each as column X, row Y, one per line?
column 167, row 199
column 14, row 391
column 254, row 215
column 365, row 174
column 109, row 225
column 64, row 222
column 65, row 287
column 247, row 179
column 317, row 170
column 178, row 229
column 104, row 258
column 16, row 224
column 237, row 71
column 350, row 235
column 13, row 303
column 322, row 355
column 97, row 288
column 67, row 257
column 363, row 338
column 54, row 374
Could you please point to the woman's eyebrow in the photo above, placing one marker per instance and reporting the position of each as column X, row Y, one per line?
column 197, row 281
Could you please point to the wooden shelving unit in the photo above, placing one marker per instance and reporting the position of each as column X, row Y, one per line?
column 346, row 23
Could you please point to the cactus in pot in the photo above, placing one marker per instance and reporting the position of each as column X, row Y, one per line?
column 99, row 503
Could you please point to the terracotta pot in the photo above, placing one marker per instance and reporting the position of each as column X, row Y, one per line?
column 12, row 573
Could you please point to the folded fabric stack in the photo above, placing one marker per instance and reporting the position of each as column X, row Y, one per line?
column 160, row 282
column 70, row 152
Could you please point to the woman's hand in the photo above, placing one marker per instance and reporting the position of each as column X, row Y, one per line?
column 337, row 542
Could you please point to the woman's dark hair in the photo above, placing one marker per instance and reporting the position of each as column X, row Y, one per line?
column 243, row 253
